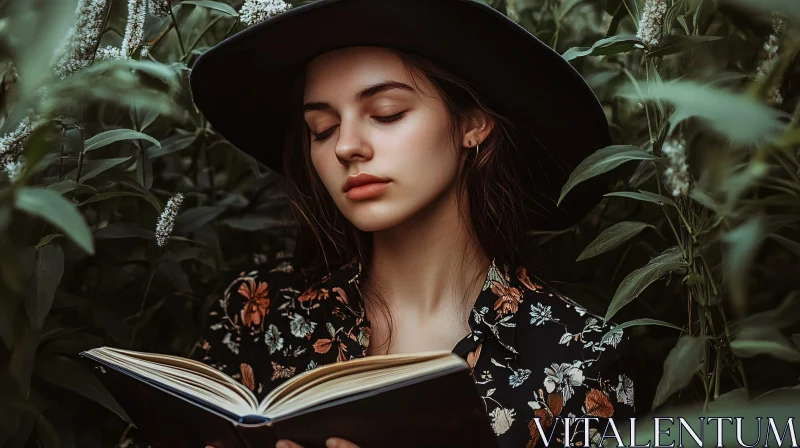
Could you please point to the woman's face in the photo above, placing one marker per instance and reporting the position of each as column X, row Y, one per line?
column 362, row 125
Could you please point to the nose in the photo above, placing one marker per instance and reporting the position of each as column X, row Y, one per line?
column 351, row 146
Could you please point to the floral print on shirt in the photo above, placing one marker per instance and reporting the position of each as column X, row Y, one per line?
column 536, row 356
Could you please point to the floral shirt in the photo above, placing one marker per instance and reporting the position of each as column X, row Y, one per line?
column 533, row 352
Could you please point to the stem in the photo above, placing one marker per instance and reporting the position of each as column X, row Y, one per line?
column 178, row 33
column 80, row 157
column 708, row 270
column 61, row 155
column 161, row 37
column 717, row 372
column 197, row 40
column 136, row 142
column 740, row 365
column 704, row 368
column 141, row 305
column 230, row 30
column 105, row 22
column 685, row 222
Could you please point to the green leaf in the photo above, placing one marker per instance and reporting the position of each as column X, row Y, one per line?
column 53, row 208
column 738, row 117
column 741, row 245
column 144, row 171
column 793, row 246
column 637, row 322
column 120, row 230
column 49, row 269
column 604, row 160
column 610, row 45
column 172, row 144
column 645, row 196
column 115, row 135
column 612, row 237
column 637, row 281
column 764, row 340
column 70, row 375
column 145, row 117
column 115, row 194
column 94, row 167
column 67, row 185
column 145, row 193
column 219, row 6
column 48, row 239
column 683, row 361
column 197, row 217
column 676, row 43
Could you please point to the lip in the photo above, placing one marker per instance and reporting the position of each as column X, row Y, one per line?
column 364, row 186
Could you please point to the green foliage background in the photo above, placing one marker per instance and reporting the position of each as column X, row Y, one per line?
column 707, row 280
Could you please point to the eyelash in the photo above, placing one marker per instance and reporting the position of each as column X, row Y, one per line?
column 385, row 120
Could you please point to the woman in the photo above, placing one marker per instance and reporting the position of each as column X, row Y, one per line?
column 419, row 141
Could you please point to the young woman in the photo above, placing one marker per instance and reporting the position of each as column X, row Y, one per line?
column 419, row 141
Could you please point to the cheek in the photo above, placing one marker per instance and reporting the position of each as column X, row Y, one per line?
column 325, row 168
column 429, row 165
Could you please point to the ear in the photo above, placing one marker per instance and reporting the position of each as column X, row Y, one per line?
column 478, row 128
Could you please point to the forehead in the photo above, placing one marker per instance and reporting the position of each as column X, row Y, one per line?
column 348, row 69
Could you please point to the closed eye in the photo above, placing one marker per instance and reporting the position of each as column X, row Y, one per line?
column 388, row 119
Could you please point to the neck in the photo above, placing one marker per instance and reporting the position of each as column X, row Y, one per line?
column 432, row 264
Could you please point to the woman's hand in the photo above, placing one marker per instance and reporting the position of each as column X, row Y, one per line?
column 333, row 442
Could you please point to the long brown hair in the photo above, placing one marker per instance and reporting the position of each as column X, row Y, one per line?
column 326, row 239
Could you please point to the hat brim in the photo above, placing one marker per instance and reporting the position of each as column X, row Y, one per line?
column 242, row 84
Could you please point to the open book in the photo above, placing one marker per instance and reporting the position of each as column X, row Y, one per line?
column 420, row 399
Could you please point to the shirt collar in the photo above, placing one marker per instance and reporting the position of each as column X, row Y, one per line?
column 494, row 312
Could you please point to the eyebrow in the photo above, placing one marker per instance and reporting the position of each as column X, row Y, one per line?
column 362, row 95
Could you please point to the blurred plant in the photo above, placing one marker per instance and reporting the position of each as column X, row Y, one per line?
column 673, row 99
column 702, row 99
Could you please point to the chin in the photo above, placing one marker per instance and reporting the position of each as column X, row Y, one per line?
column 374, row 217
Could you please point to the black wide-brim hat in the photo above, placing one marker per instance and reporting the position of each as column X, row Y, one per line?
column 242, row 84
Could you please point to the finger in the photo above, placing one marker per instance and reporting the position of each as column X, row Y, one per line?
column 284, row 443
column 335, row 442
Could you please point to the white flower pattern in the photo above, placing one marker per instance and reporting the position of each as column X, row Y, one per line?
column 502, row 419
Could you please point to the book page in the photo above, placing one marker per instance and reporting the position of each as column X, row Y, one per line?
column 352, row 377
column 187, row 376
column 331, row 371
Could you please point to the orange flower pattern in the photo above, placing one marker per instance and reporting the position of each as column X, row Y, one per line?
column 257, row 298
column 535, row 355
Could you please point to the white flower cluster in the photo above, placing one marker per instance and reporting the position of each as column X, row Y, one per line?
column 166, row 222
column 134, row 33
column 676, row 176
column 12, row 144
column 108, row 53
column 134, row 30
column 771, row 57
column 255, row 11
column 79, row 45
column 651, row 22
column 14, row 168
column 160, row 8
